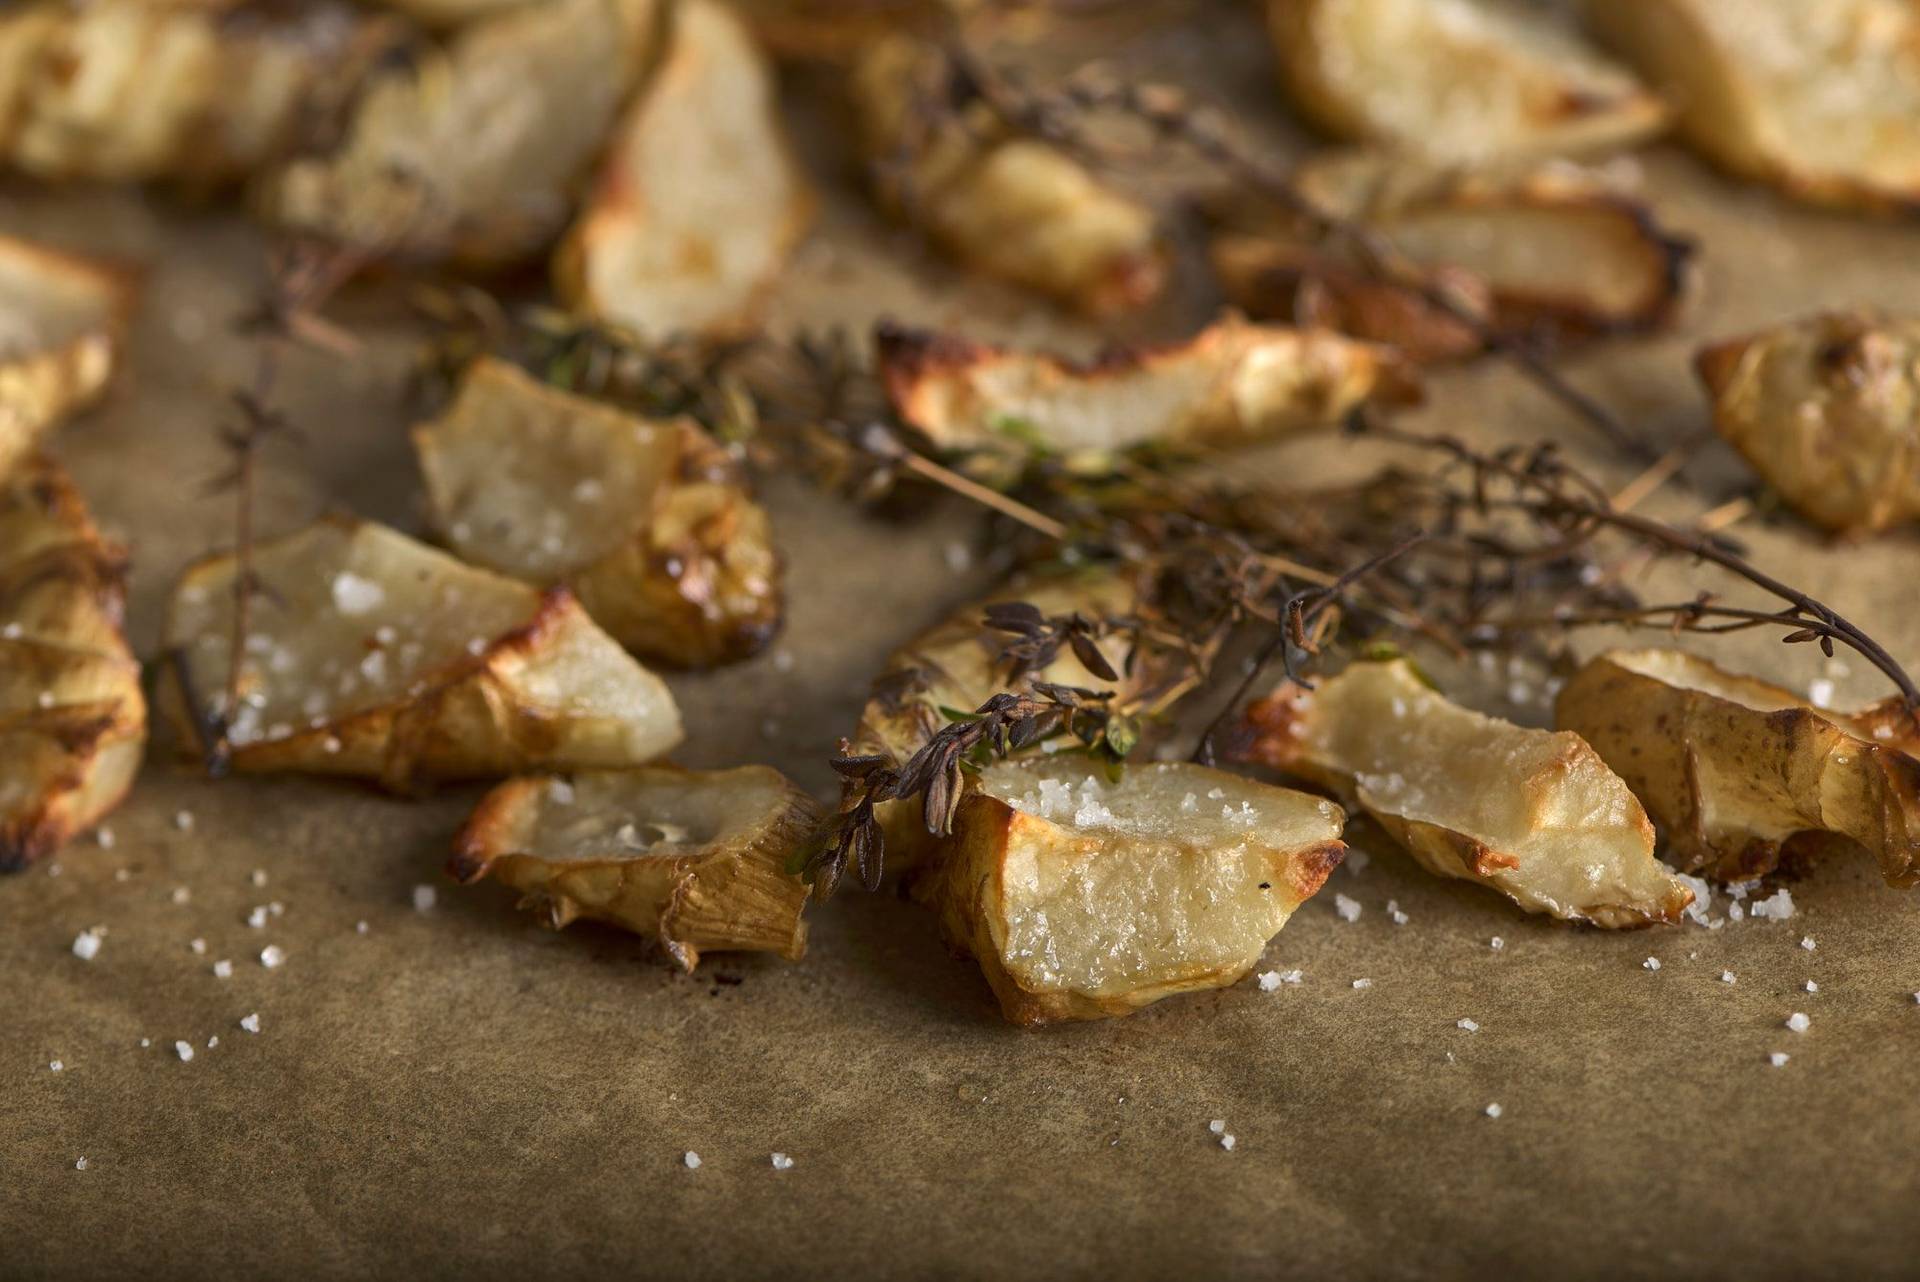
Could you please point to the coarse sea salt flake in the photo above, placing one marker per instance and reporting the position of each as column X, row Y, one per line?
column 424, row 898
column 1726, row 977
column 80, row 1164
column 353, row 594
column 1218, row 1126
column 184, row 1051
column 1812, row 987
column 1496, row 943
column 1806, row 942
column 1651, row 963
column 250, row 1022
column 1227, row 1142
column 781, row 1162
column 1798, row 1022
column 183, row 820
column 86, row 945
column 56, row 1066
column 1363, row 983
column 1468, row 1024
column 223, row 970
column 1349, row 909
column 1494, row 1110
column 1269, row 981
column 272, row 956
column 1778, row 1059
column 692, row 1160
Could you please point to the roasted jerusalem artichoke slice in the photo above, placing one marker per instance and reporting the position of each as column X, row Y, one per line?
column 1455, row 80
column 73, row 720
column 1010, row 206
column 122, row 91
column 372, row 655
column 1827, row 409
column 696, row 858
column 700, row 201
column 476, row 150
column 1818, row 99
column 1233, row 383
column 954, row 666
column 1533, row 814
column 1536, row 250
column 648, row 522
column 1085, row 899
column 61, row 319
column 1733, row 768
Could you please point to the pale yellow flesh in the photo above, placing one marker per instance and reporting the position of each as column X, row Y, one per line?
column 1125, row 891
column 651, row 813
column 1465, row 80
column 699, row 201
column 1533, row 814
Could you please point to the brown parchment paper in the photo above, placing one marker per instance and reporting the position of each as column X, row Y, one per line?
column 460, row 1092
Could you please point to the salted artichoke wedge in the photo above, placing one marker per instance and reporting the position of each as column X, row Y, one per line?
column 61, row 319
column 1533, row 814
column 699, row 202
column 954, row 665
column 120, row 91
column 1827, row 409
column 1008, row 206
column 1541, row 250
column 1817, row 99
column 695, row 858
column 1086, row 899
column 1455, row 80
column 1733, row 768
column 649, row 523
column 369, row 654
column 73, row 720
column 477, row 150
column 1233, row 383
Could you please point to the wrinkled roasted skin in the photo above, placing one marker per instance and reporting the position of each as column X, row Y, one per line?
column 1455, row 80
column 382, row 658
column 1733, row 768
column 1816, row 99
column 1546, row 251
column 73, row 720
column 1233, row 383
column 650, row 523
column 122, row 91
column 1534, row 815
column 477, row 151
column 1010, row 207
column 1827, row 410
column 1117, row 894
column 954, row 665
column 699, row 201
column 60, row 330
column 695, row 858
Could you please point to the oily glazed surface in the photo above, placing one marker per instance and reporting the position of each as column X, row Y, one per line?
column 461, row 1092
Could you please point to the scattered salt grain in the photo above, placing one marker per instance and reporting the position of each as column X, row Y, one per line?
column 105, row 838
column 183, row 820
column 258, row 917
column 80, row 1164
column 259, row 877
column 1651, row 963
column 55, row 1067
column 1363, row 983
column 1294, row 977
column 781, row 1162
column 181, row 895
column 1496, row 943
column 86, row 945
column 145, row 1042
column 1798, row 1022
column 1820, row 692
column 277, row 908
column 1494, row 1110
column 360, row 928
column 198, row 947
column 251, row 1023
column 1227, row 1142
column 1812, row 987
column 1778, row 1059
column 184, row 1051
column 1269, row 981
column 1349, row 909
column 692, row 1159
column 355, row 595
column 223, row 970
column 1807, row 943
column 1726, row 977
column 1468, row 1024
column 1394, row 912
column 424, row 897
column 783, row 662
column 1777, row 906
column 213, row 1041
column 272, row 956
column 1218, row 1126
